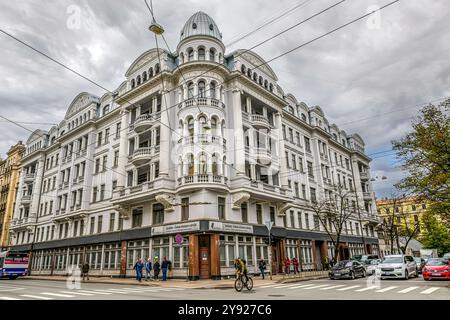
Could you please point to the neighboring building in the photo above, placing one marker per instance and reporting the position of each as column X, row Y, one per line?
column 410, row 207
column 9, row 181
column 196, row 142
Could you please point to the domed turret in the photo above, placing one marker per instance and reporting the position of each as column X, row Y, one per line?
column 200, row 24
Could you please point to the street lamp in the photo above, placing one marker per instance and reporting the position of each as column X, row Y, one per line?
column 269, row 225
column 156, row 28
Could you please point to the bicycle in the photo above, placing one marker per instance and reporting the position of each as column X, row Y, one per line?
column 240, row 283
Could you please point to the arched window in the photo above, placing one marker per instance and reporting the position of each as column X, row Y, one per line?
column 255, row 77
column 243, row 69
column 260, row 80
column 190, row 161
column 144, row 76
column 215, row 170
column 106, row 109
column 157, row 68
column 190, row 90
column 271, row 87
column 265, row 84
column 214, row 126
column 212, row 54
column 249, row 73
column 303, row 117
column 202, row 164
column 212, row 90
column 224, row 163
column 181, row 57
column 76, row 122
column 201, row 54
column 202, row 122
column 150, row 72
column 132, row 83
column 138, row 80
column 190, row 124
column 190, row 54
column 201, row 89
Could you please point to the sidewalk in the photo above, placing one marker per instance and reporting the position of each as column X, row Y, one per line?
column 183, row 283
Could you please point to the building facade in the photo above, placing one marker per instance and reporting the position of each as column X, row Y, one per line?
column 196, row 142
column 9, row 182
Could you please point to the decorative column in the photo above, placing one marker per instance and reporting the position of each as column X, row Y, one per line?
column 283, row 168
column 164, row 158
column 239, row 144
column 194, row 270
column 215, row 257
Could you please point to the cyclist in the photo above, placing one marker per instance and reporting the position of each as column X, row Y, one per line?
column 241, row 267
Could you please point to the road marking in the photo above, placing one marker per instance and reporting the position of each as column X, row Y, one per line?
column 114, row 291
column 8, row 298
column 170, row 289
column 366, row 289
column 78, row 293
column 386, row 289
column 57, row 294
column 348, row 288
column 430, row 290
column 94, row 292
column 302, row 286
column 285, row 286
column 270, row 285
column 333, row 287
column 36, row 297
column 408, row 289
column 315, row 287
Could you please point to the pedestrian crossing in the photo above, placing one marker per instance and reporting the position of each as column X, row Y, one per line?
column 353, row 288
column 83, row 294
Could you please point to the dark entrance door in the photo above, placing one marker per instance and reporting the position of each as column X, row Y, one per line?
column 276, row 262
column 204, row 256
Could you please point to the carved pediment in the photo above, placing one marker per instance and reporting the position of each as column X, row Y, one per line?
column 166, row 200
column 239, row 198
column 125, row 212
column 283, row 207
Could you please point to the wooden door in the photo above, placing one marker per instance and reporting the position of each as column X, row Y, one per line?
column 204, row 263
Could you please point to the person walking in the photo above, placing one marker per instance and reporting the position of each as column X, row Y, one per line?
column 287, row 264
column 85, row 270
column 148, row 269
column 164, row 267
column 169, row 267
column 262, row 267
column 295, row 264
column 139, row 265
column 156, row 269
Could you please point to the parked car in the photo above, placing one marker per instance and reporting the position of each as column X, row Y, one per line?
column 436, row 269
column 446, row 256
column 371, row 265
column 398, row 266
column 420, row 263
column 347, row 269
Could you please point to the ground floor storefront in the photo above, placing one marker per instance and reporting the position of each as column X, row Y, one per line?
column 197, row 250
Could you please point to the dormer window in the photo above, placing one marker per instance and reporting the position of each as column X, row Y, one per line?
column 243, row 69
column 194, row 26
column 211, row 27
column 201, row 54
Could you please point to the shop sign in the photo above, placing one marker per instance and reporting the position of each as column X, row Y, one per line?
column 230, row 227
column 177, row 228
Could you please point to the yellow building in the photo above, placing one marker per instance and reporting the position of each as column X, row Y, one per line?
column 9, row 181
column 407, row 210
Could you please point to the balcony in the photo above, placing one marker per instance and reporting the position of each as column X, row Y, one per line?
column 26, row 198
column 260, row 122
column 22, row 223
column 80, row 153
column 327, row 181
column 143, row 155
column 202, row 178
column 370, row 218
column 364, row 176
column 263, row 155
column 145, row 121
column 367, row 195
column 191, row 102
column 30, row 176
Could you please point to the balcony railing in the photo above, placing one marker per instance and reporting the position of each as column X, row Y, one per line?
column 203, row 139
column 192, row 102
column 23, row 221
column 324, row 156
column 80, row 153
column 202, row 178
column 30, row 176
column 364, row 175
column 26, row 197
column 367, row 195
column 145, row 121
column 260, row 121
column 142, row 155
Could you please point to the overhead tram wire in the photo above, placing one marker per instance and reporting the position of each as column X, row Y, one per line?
column 231, row 78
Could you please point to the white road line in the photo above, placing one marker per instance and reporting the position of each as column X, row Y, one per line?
column 127, row 290
column 315, row 287
column 77, row 293
column 57, row 294
column 302, row 286
column 8, row 298
column 285, row 286
column 94, row 292
column 333, row 287
column 348, row 288
column 112, row 291
column 408, row 290
column 270, row 285
column 386, row 289
column 35, row 297
column 430, row 290
column 366, row 289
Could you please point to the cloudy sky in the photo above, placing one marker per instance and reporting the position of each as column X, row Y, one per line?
column 370, row 77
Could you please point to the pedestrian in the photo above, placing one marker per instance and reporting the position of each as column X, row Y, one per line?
column 287, row 264
column 262, row 267
column 164, row 267
column 85, row 270
column 169, row 265
column 156, row 269
column 138, row 266
column 148, row 269
column 295, row 264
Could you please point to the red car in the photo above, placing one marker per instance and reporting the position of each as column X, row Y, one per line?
column 436, row 269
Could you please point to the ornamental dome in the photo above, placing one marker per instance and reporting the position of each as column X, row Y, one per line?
column 200, row 24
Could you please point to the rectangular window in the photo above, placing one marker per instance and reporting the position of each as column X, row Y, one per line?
column 97, row 165
column 299, row 220
column 221, row 207
column 297, row 192
column 313, row 194
column 99, row 139
column 310, row 169
column 137, row 218
column 99, row 224
column 297, row 135
column 118, row 125
column 94, row 194
column 185, row 209
column 303, row 191
column 294, row 162
column 116, row 158
column 244, row 212
column 106, row 135
column 272, row 215
column 291, row 216
column 259, row 215
column 307, row 221
column 291, row 135
column 112, row 220
column 287, row 159
column 81, row 227
column 307, row 145
column 102, row 192
column 91, row 231
column 105, row 162
column 158, row 213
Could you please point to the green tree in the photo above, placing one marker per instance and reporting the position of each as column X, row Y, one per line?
column 435, row 234
column 425, row 153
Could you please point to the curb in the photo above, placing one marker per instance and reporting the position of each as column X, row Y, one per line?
column 302, row 279
column 92, row 281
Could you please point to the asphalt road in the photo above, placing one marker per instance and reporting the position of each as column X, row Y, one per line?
column 357, row 289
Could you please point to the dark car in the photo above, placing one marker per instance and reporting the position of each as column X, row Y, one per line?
column 347, row 269
column 420, row 264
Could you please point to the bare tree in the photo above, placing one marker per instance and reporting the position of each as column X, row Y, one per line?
column 333, row 211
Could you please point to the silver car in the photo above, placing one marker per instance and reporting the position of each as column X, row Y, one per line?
column 397, row 266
